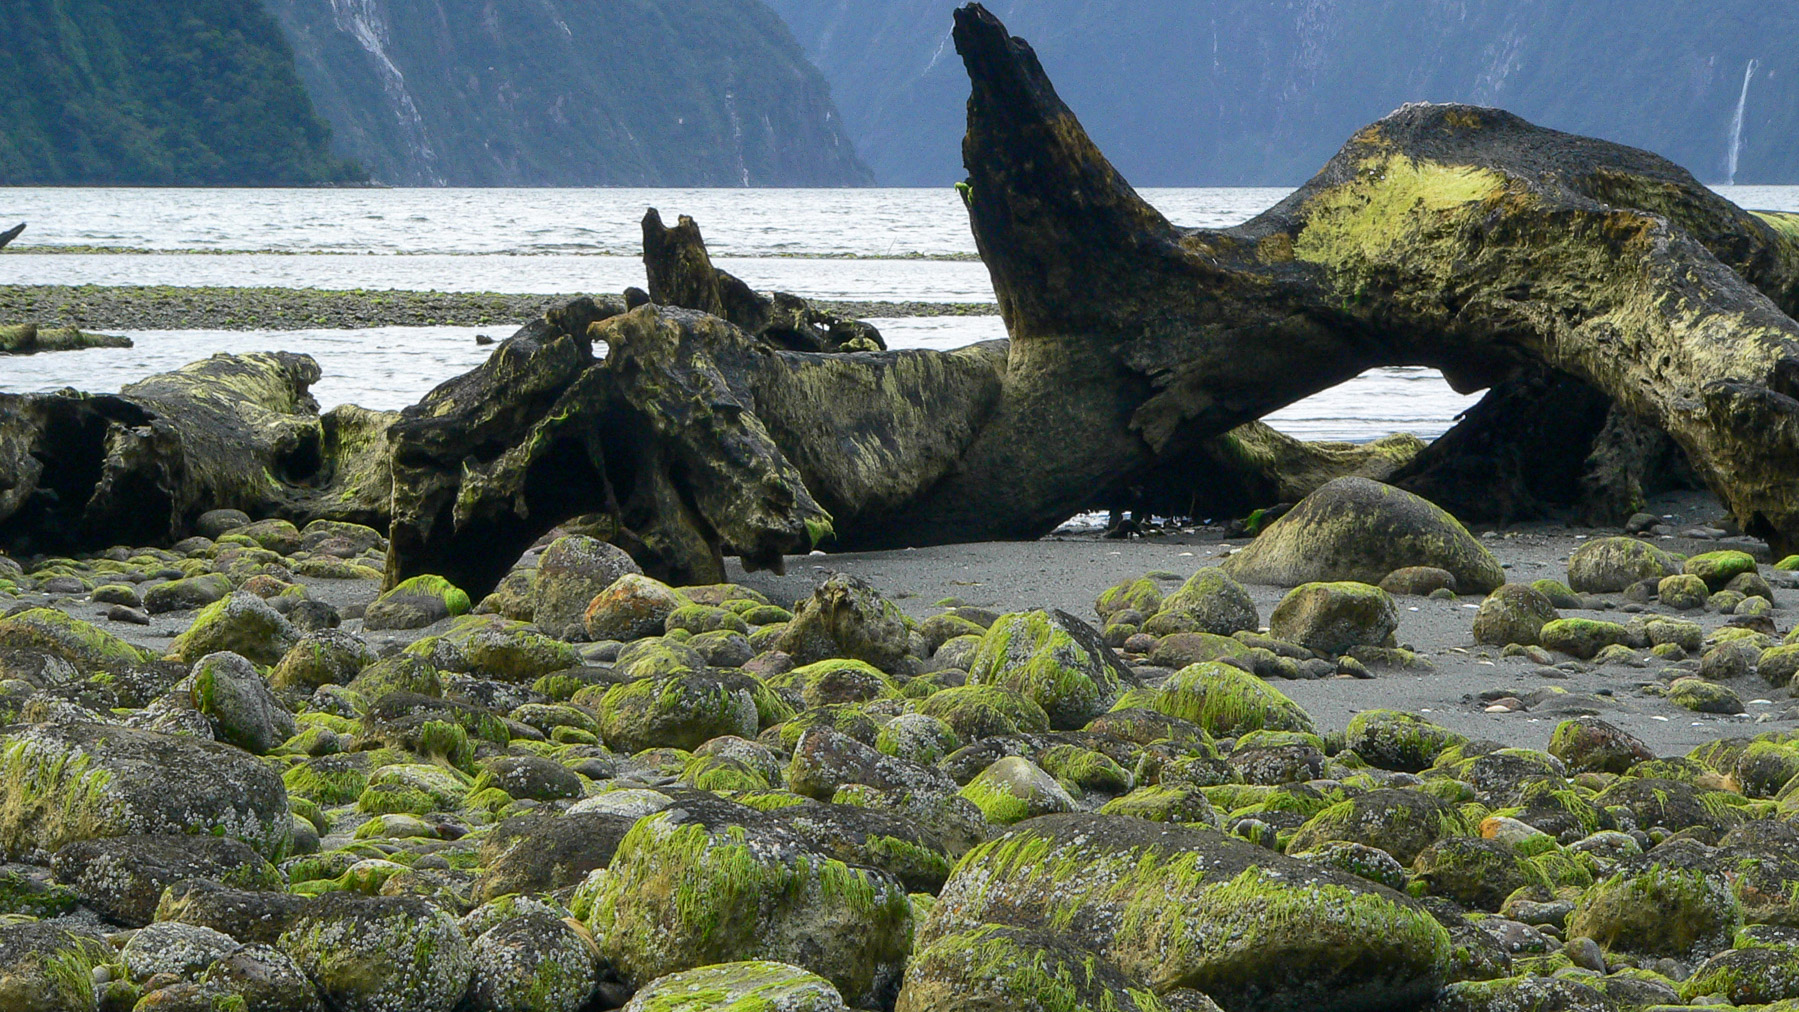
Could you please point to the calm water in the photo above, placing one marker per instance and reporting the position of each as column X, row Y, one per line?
column 872, row 244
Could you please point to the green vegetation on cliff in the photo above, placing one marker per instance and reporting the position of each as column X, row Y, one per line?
column 200, row 92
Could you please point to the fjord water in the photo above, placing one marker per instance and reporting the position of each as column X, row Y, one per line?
column 898, row 245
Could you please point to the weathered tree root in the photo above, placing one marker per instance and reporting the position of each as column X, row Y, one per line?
column 231, row 431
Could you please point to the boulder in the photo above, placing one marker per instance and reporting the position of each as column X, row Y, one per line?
column 266, row 978
column 534, row 963
column 381, row 953
column 1609, row 565
column 183, row 594
column 1358, row 530
column 238, row 704
column 1590, row 745
column 1000, row 969
column 1213, row 601
column 1014, row 789
column 1718, row 569
column 573, row 571
column 1659, row 910
column 707, row 883
column 1055, row 660
column 415, row 604
column 675, row 711
column 251, row 916
column 243, row 624
column 1396, row 740
column 1173, row 907
column 630, row 608
column 1401, row 822
column 845, row 617
column 1224, row 700
column 759, row 984
column 89, row 649
column 1329, row 618
column 60, row 783
column 325, row 657
column 48, row 966
column 123, row 877
column 1513, row 613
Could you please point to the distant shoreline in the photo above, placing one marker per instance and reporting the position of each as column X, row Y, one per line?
column 95, row 307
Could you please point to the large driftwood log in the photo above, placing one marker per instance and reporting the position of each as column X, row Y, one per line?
column 136, row 467
column 1448, row 236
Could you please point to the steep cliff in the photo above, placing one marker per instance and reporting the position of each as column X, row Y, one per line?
column 199, row 92
column 570, row 92
column 1232, row 92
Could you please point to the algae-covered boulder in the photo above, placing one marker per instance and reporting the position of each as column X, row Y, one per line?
column 630, row 608
column 533, row 963
column 170, row 948
column 381, row 953
column 1002, row 969
column 984, row 711
column 242, row 624
column 1538, row 994
column 60, row 783
column 541, row 852
column 1055, row 660
column 1357, row 530
column 1139, row 594
column 415, row 604
column 1224, row 700
column 1758, row 976
column 251, row 916
column 1590, row 745
column 758, row 985
column 326, row 657
column 1475, row 872
column 1581, row 637
column 572, row 572
column 238, row 704
column 1396, row 740
column 1400, row 822
column 123, row 877
column 707, row 883
column 1659, row 910
column 676, row 711
column 190, row 592
column 48, row 966
column 1718, row 569
column 88, row 648
column 1609, row 565
column 1213, row 602
column 1176, row 907
column 1513, row 613
column 1701, row 696
column 267, row 979
column 845, row 617
column 1014, row 789
column 1332, row 617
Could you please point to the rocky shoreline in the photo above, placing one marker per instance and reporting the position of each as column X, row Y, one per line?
column 170, row 308
column 237, row 769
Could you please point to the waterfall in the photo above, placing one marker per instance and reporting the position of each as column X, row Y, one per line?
column 1736, row 126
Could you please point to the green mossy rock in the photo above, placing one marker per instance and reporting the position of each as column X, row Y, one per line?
column 630, row 608
column 264, row 977
column 238, row 704
column 1139, row 594
column 1055, row 660
column 1401, row 822
column 1659, row 910
column 709, row 883
column 123, row 877
column 90, row 649
column 917, row 737
column 30, row 896
column 381, row 953
column 1701, row 696
column 1002, row 969
column 60, row 783
column 1610, row 565
column 1758, row 976
column 1682, row 593
column 242, row 624
column 984, row 711
column 1479, row 874
column 1396, row 740
column 1581, row 637
column 1590, row 745
column 678, row 711
column 1330, row 618
column 326, row 657
column 1014, row 789
column 573, row 571
column 1778, row 665
column 536, row 962
column 1418, row 581
column 399, row 673
column 1166, row 802
column 826, row 683
column 1717, row 569
column 190, row 592
column 1513, row 613
column 1354, row 529
column 750, row 986
column 1174, row 907
column 1224, row 700
column 846, row 617
column 415, row 604
column 1213, row 602
column 48, row 967
column 1523, row 994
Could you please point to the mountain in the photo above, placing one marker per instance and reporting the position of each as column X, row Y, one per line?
column 199, row 92
column 1247, row 92
column 569, row 92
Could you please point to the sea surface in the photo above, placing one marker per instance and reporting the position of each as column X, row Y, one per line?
column 898, row 245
